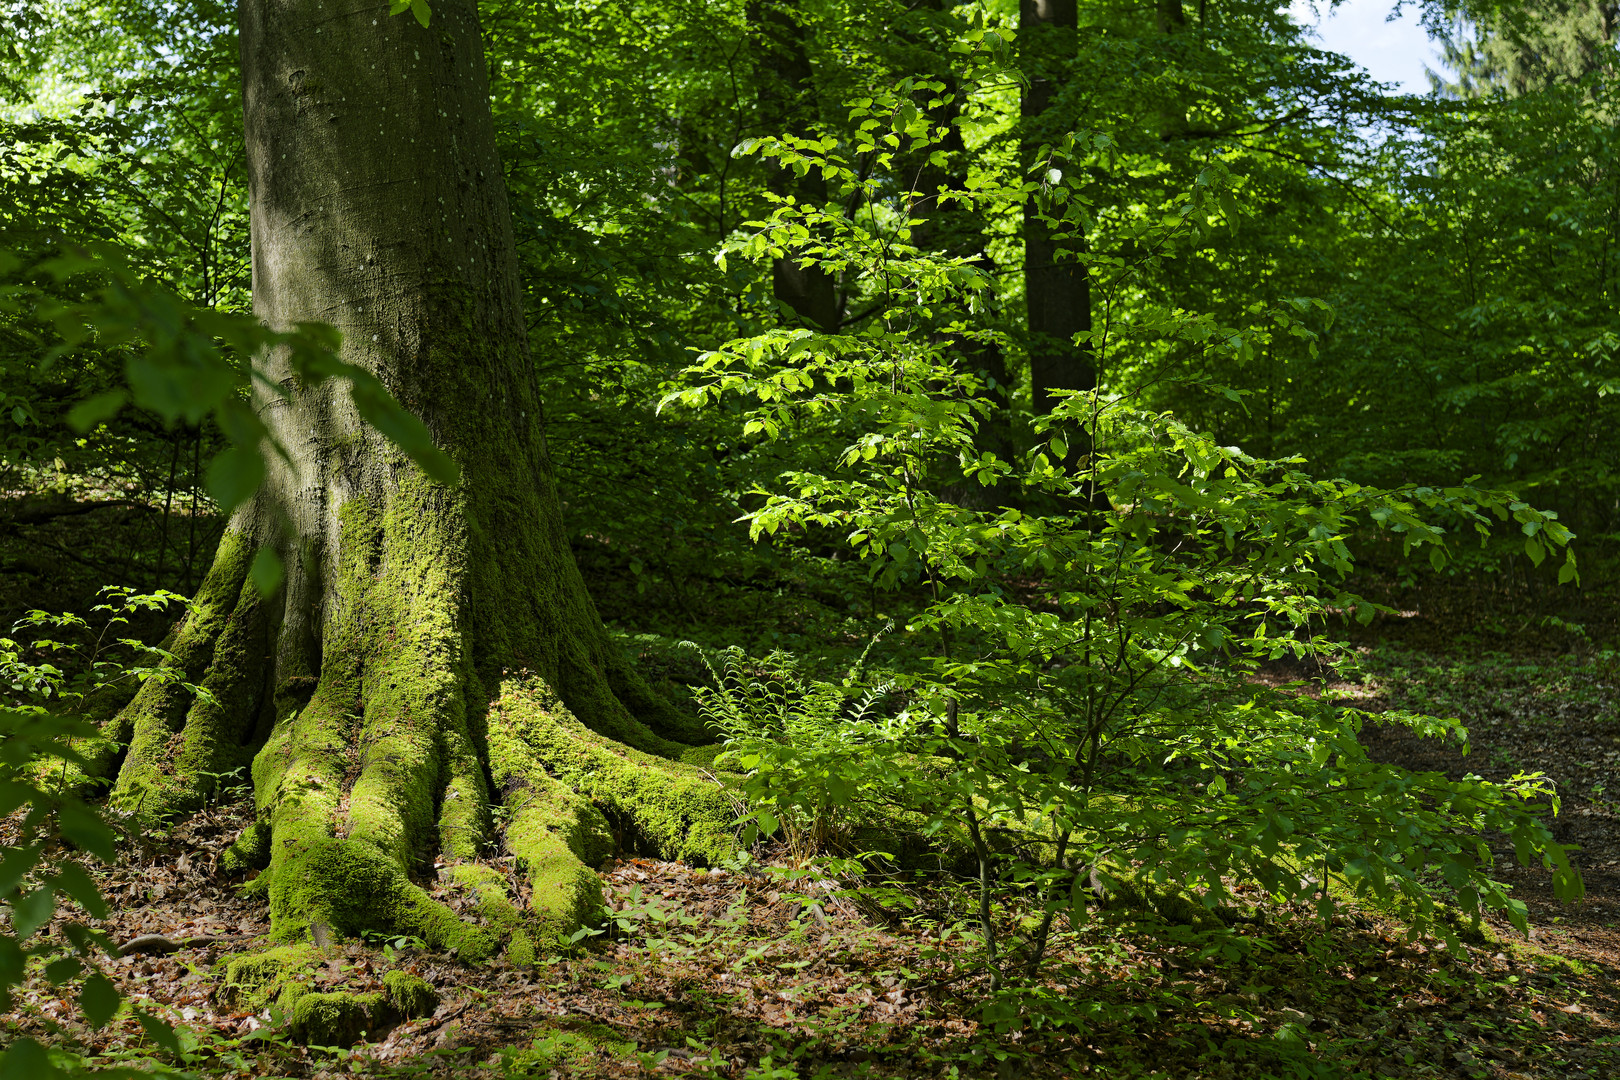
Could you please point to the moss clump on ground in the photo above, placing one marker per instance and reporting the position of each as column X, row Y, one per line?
column 336, row 1019
column 255, row 980
column 249, row 851
column 285, row 976
column 410, row 994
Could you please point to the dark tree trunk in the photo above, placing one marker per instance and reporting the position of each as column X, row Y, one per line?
column 787, row 96
column 955, row 229
column 1057, row 289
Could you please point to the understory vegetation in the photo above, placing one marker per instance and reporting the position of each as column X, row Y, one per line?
column 1095, row 537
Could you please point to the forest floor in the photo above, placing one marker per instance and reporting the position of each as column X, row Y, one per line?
column 772, row 974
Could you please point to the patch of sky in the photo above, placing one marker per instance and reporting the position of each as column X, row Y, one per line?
column 1393, row 48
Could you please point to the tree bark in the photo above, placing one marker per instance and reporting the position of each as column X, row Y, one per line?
column 1057, row 289
column 786, row 85
column 433, row 651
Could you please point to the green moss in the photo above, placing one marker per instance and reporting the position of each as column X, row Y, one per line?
column 521, row 951
column 464, row 819
column 249, row 851
column 701, row 756
column 349, row 781
column 284, row 975
column 338, row 1018
column 571, row 1048
column 1126, row 888
column 495, row 907
column 175, row 738
column 403, row 627
column 679, row 811
column 411, row 995
column 651, row 708
column 349, row 887
column 555, row 833
column 256, row 979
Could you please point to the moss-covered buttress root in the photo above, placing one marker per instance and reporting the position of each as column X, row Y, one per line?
column 388, row 760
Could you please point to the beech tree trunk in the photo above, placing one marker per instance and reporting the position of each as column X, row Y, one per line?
column 433, row 652
column 1057, row 288
column 787, row 97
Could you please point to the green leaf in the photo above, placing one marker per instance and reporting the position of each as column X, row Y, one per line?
column 32, row 910
column 1229, row 207
column 60, row 971
column 13, row 795
column 71, row 879
column 1568, row 572
column 92, row 411
column 379, row 409
column 84, row 827
column 12, row 962
column 233, row 476
column 1533, row 548
column 267, row 572
column 100, row 1000
column 27, row 1058
column 158, row 1031
column 419, row 8
column 16, row 865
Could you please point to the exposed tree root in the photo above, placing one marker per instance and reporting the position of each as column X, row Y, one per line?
column 281, row 977
column 380, row 754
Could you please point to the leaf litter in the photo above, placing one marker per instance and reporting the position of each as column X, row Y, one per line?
column 775, row 972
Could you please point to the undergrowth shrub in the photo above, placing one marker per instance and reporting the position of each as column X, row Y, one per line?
column 49, row 829
column 1087, row 614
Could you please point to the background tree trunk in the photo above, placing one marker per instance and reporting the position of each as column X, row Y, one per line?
column 1057, row 290
column 787, row 106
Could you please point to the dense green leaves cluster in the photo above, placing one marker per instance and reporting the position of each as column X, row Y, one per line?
column 1086, row 708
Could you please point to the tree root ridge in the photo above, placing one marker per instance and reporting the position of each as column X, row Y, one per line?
column 676, row 811
column 283, row 977
column 157, row 734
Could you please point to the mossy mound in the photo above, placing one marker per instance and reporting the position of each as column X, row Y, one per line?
column 255, row 980
column 336, row 1018
column 285, row 976
column 411, row 994
column 249, row 851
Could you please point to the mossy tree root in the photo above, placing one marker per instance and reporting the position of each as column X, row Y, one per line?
column 283, row 977
column 380, row 756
